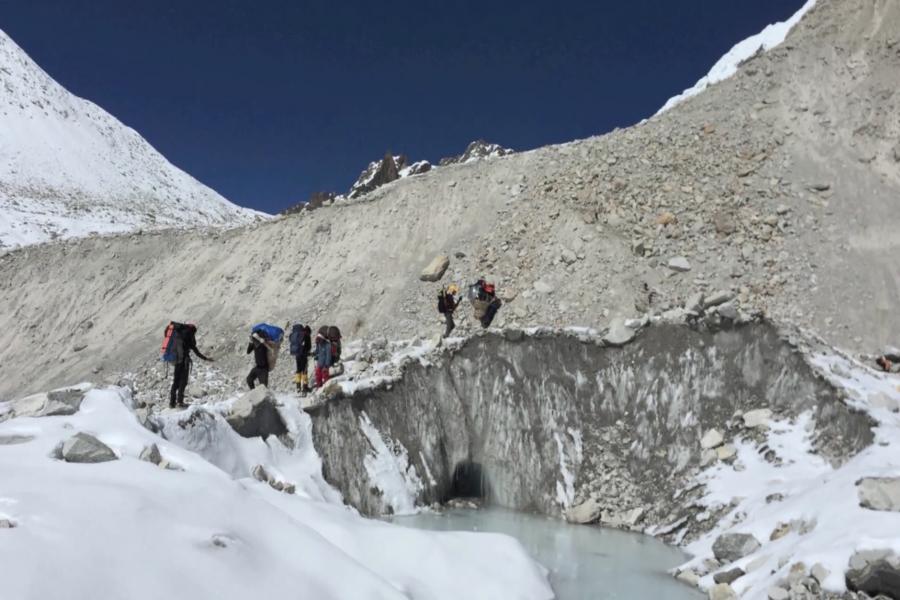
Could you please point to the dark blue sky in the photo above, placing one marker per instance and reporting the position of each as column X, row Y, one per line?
column 268, row 101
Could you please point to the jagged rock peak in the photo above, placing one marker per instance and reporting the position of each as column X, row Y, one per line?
column 477, row 150
column 388, row 169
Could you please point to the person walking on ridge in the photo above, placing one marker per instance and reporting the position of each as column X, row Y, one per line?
column 447, row 303
column 301, row 344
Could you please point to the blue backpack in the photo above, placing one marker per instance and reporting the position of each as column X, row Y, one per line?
column 271, row 332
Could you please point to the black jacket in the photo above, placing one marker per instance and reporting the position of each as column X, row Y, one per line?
column 188, row 345
column 260, row 353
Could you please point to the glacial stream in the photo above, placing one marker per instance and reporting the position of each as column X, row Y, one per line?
column 585, row 562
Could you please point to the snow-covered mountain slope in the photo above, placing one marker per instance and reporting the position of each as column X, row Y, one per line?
column 68, row 168
column 189, row 520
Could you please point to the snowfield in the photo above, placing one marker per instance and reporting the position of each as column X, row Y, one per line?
column 70, row 169
column 201, row 528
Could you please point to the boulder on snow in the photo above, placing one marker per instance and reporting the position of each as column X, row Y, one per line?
column 255, row 414
column 722, row 591
column 151, row 454
column 757, row 418
column 874, row 572
column 728, row 576
column 62, row 402
column 435, row 269
column 85, row 448
column 726, row 452
column 778, row 593
column 730, row 547
column 619, row 333
column 584, row 513
column 879, row 493
column 711, row 439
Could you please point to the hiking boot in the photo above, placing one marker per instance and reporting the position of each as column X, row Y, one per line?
column 182, row 405
column 171, row 405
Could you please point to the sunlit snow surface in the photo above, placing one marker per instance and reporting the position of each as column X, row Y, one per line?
column 130, row 529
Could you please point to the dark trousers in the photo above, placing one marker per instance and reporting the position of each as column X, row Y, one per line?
column 448, row 318
column 179, row 382
column 491, row 312
column 258, row 374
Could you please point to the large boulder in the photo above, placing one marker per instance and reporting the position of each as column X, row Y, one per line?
column 757, row 418
column 874, row 572
column 255, row 414
column 730, row 547
column 584, row 513
column 879, row 493
column 435, row 269
column 60, row 402
column 85, row 448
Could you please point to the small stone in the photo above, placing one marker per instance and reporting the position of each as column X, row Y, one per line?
column 568, row 256
column 151, row 454
column 666, row 218
column 726, row 452
column 720, row 297
column 820, row 186
column 619, row 333
column 694, row 303
column 727, row 311
column 721, row 591
column 679, row 264
column 819, row 573
column 711, row 439
column 774, row 498
column 259, row 473
column 783, row 209
column 542, row 287
column 778, row 593
column 689, row 577
column 728, row 576
column 781, row 530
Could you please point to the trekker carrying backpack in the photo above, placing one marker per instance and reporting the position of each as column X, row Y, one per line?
column 265, row 342
column 485, row 302
column 301, row 343
column 447, row 303
column 324, row 356
column 178, row 343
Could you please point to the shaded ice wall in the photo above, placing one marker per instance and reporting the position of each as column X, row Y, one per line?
column 545, row 417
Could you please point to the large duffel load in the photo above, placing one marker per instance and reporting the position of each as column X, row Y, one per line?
column 271, row 336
